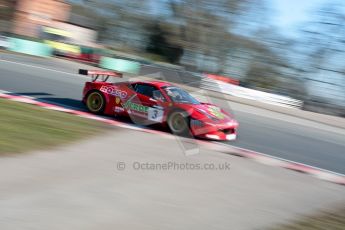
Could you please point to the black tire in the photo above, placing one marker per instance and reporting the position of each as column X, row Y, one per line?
column 179, row 123
column 95, row 102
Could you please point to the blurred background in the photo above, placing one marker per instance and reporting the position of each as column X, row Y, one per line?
column 286, row 47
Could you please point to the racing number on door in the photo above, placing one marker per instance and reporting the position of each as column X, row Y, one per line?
column 155, row 114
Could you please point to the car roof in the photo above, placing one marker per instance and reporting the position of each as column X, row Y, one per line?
column 157, row 83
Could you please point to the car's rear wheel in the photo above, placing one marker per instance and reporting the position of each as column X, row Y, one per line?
column 178, row 123
column 95, row 102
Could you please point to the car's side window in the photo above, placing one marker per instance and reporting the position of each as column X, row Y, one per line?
column 144, row 89
column 132, row 86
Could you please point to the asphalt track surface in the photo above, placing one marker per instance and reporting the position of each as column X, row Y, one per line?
column 55, row 81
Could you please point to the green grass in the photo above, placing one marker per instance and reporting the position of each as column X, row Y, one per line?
column 26, row 127
column 327, row 220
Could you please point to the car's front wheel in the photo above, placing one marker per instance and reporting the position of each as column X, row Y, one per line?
column 95, row 102
column 178, row 123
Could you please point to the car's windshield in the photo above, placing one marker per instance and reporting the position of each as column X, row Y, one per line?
column 179, row 95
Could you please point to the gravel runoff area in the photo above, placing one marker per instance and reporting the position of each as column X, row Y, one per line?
column 127, row 179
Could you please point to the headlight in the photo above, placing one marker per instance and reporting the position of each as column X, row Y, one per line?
column 233, row 123
column 213, row 118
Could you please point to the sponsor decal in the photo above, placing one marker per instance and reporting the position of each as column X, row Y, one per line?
column 138, row 114
column 117, row 100
column 215, row 111
column 112, row 90
column 136, row 107
column 119, row 109
column 151, row 113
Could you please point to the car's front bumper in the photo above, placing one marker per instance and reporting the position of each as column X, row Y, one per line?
column 219, row 136
column 223, row 131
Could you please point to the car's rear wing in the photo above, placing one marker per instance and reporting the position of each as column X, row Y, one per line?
column 96, row 74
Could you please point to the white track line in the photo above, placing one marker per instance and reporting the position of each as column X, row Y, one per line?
column 43, row 68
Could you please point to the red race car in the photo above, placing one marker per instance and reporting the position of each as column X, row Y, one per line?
column 152, row 102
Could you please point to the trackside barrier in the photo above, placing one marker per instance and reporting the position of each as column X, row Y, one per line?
column 120, row 65
column 29, row 47
column 238, row 91
column 223, row 79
